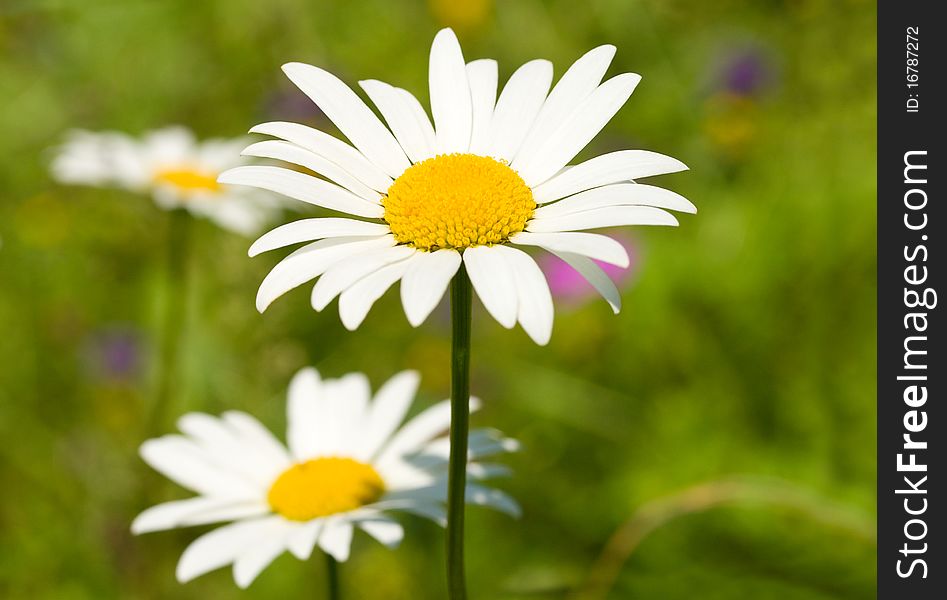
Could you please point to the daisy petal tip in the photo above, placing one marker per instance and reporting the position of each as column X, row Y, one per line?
column 262, row 304
column 184, row 572
column 242, row 578
column 227, row 177
column 540, row 338
column 445, row 35
column 631, row 80
column 148, row 448
column 351, row 323
column 368, row 84
column 139, row 525
column 475, row 403
column 608, row 50
column 292, row 68
column 410, row 374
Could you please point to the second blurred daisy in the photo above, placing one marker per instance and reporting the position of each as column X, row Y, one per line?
column 346, row 466
column 175, row 168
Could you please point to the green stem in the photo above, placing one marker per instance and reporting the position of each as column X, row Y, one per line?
column 332, row 577
column 178, row 241
column 460, row 300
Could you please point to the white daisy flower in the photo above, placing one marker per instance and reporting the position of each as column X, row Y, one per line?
column 171, row 165
column 490, row 175
column 347, row 465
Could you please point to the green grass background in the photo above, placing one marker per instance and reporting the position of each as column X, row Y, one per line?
column 744, row 353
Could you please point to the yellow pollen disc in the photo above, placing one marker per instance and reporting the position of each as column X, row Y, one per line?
column 457, row 201
column 324, row 486
column 188, row 180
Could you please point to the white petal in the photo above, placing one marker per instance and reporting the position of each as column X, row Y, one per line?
column 345, row 408
column 357, row 300
column 617, row 194
column 264, row 442
column 347, row 272
column 223, row 545
column 307, row 230
column 614, row 167
column 309, row 262
column 402, row 474
column 483, row 471
column 195, row 511
column 482, row 75
column 575, row 85
column 493, row 280
column 240, row 210
column 336, row 539
column 596, row 277
column 218, row 154
column 425, row 282
column 390, row 405
column 612, row 216
column 355, row 120
column 306, row 413
column 480, row 443
column 419, row 430
column 297, row 155
column 450, row 94
column 575, row 132
column 328, row 147
column 301, row 541
column 593, row 245
column 257, row 557
column 534, row 304
column 187, row 464
column 226, row 447
column 495, row 499
column 516, row 110
column 434, row 512
column 406, row 118
column 386, row 531
column 300, row 186
column 169, row 145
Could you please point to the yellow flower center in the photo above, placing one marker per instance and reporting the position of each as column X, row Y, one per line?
column 324, row 486
column 458, row 201
column 188, row 180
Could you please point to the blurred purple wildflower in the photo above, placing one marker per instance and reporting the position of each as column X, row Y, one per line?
column 745, row 71
column 114, row 354
column 289, row 104
column 568, row 286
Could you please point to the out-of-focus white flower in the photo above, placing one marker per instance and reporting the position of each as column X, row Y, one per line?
column 348, row 463
column 174, row 167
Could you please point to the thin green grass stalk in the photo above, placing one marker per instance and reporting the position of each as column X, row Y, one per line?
column 172, row 326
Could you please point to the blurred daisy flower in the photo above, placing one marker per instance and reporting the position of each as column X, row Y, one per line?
column 172, row 166
column 348, row 465
column 489, row 175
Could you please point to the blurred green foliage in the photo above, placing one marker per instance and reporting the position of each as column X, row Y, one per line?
column 745, row 348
